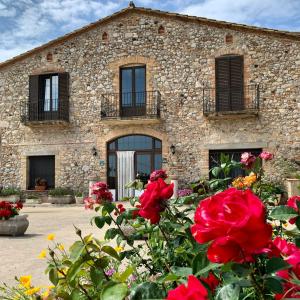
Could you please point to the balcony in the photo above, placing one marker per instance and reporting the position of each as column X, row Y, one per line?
column 45, row 112
column 133, row 107
column 236, row 102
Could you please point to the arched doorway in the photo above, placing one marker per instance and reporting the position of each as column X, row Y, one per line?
column 129, row 156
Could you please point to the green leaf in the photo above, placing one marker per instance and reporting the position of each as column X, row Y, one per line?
column 76, row 295
column 76, row 250
column 208, row 268
column 229, row 292
column 283, row 213
column 240, row 269
column 99, row 221
column 216, row 171
column 53, row 276
column 110, row 251
column 182, row 271
column 274, row 284
column 96, row 276
column 108, row 207
column 298, row 221
column 297, row 242
column 111, row 233
column 75, row 269
column 146, row 291
column 124, row 276
column 114, row 291
column 200, row 261
column 275, row 264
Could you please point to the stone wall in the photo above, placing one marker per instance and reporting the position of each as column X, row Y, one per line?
column 179, row 63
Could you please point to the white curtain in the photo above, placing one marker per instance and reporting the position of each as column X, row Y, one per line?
column 125, row 173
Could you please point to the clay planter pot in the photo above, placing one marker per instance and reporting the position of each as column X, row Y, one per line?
column 40, row 187
column 78, row 200
column 292, row 186
column 15, row 226
column 66, row 199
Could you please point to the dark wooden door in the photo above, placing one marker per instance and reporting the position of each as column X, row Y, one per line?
column 229, row 83
column 42, row 167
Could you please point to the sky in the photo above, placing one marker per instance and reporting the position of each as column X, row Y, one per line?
column 25, row 24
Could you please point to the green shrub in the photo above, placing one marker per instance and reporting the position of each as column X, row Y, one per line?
column 60, row 191
column 9, row 191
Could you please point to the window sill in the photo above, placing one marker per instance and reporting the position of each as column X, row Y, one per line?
column 131, row 121
column 241, row 114
column 58, row 123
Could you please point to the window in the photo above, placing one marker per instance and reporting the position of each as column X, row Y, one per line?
column 48, row 97
column 229, row 83
column 234, row 154
column 133, row 91
column 49, row 93
column 147, row 156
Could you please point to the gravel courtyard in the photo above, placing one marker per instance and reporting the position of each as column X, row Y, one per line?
column 20, row 254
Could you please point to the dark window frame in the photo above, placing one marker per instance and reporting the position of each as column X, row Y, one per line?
column 153, row 151
column 133, row 92
column 42, row 97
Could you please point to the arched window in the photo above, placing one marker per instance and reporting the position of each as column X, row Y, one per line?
column 230, row 83
column 144, row 156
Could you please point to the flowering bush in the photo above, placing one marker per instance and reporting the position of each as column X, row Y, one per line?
column 226, row 244
column 9, row 210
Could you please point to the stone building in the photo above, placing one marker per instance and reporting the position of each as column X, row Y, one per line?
column 144, row 89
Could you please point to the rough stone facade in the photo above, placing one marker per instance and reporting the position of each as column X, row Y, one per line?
column 179, row 62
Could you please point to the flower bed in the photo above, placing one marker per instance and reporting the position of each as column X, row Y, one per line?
column 236, row 245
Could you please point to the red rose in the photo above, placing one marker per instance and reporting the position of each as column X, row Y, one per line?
column 89, row 203
column 158, row 174
column 248, row 159
column 5, row 213
column 193, row 291
column 102, row 193
column 291, row 253
column 231, row 220
column 19, row 205
column 265, row 155
column 292, row 202
column 153, row 200
column 212, row 281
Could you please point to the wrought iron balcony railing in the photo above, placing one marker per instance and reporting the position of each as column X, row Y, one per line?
column 233, row 100
column 44, row 111
column 128, row 105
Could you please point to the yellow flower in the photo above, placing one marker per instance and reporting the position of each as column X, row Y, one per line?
column 61, row 247
column 43, row 254
column 119, row 249
column 51, row 237
column 47, row 292
column 249, row 180
column 32, row 291
column 238, row 183
column 25, row 281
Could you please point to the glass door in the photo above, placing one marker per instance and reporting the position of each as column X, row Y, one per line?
column 133, row 91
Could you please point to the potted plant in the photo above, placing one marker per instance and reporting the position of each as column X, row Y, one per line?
column 61, row 195
column 40, row 184
column 79, row 197
column 33, row 199
column 11, row 223
column 10, row 194
column 293, row 184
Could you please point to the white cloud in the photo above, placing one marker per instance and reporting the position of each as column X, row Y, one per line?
column 266, row 13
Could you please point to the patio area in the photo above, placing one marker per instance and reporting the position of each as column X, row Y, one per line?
column 20, row 254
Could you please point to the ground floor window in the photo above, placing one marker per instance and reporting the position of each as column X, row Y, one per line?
column 43, row 168
column 234, row 154
column 130, row 157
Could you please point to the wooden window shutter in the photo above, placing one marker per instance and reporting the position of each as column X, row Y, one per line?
column 229, row 83
column 34, row 93
column 63, row 94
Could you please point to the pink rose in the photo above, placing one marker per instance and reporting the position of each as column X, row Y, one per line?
column 248, row 159
column 265, row 155
column 292, row 202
